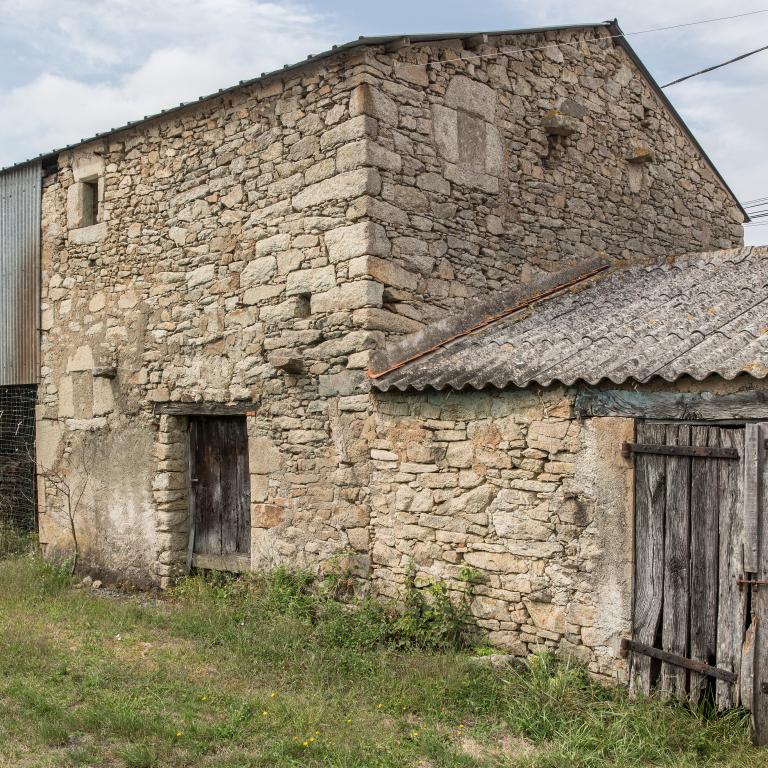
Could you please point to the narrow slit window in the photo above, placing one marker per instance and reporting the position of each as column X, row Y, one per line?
column 90, row 202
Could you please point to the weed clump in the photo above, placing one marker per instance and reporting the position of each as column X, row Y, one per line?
column 429, row 617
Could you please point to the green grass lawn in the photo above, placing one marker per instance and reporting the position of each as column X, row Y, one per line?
column 250, row 674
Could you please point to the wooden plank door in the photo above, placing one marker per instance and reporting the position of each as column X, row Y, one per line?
column 220, row 493
column 676, row 558
column 700, row 619
column 689, row 610
column 650, row 506
column 704, row 510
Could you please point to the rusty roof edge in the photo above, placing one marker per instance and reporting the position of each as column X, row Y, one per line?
column 478, row 315
column 620, row 39
column 362, row 41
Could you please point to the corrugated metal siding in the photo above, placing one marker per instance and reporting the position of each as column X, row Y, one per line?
column 20, row 199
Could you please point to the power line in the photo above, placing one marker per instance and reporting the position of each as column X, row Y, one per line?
column 702, row 21
column 715, row 66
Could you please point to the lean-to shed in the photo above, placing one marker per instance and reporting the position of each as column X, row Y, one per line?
column 594, row 445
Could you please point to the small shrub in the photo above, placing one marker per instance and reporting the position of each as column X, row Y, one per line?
column 431, row 619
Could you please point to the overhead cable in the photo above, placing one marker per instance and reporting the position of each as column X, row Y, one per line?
column 715, row 66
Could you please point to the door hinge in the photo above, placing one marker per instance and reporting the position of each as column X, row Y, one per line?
column 697, row 451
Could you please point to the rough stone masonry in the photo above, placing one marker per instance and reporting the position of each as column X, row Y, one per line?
column 256, row 246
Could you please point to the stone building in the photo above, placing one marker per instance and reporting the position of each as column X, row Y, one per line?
column 233, row 290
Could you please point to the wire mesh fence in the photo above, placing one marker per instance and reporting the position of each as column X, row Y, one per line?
column 17, row 468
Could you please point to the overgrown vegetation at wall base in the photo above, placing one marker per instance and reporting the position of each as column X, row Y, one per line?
column 429, row 618
column 276, row 671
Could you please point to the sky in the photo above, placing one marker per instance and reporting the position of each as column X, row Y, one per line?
column 72, row 68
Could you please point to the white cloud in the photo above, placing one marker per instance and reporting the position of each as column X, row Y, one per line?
column 109, row 62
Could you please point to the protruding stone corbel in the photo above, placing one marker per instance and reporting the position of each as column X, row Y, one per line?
column 287, row 361
column 641, row 155
column 555, row 123
column 105, row 372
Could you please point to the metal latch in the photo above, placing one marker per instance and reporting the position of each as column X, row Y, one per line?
column 756, row 583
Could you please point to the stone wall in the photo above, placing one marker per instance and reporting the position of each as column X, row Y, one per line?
column 219, row 259
column 535, row 502
column 257, row 246
column 480, row 187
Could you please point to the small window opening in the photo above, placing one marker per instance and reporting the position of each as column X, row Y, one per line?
column 90, row 202
column 556, row 145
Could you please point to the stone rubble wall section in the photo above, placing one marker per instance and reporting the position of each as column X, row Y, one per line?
column 476, row 197
column 225, row 242
column 497, row 483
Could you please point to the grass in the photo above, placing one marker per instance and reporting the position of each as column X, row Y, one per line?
column 264, row 673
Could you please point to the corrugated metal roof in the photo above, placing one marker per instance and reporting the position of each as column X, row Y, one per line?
column 612, row 26
column 696, row 315
column 20, row 198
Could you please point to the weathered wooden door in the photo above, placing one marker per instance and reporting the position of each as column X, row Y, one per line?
column 220, row 493
column 700, row 618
